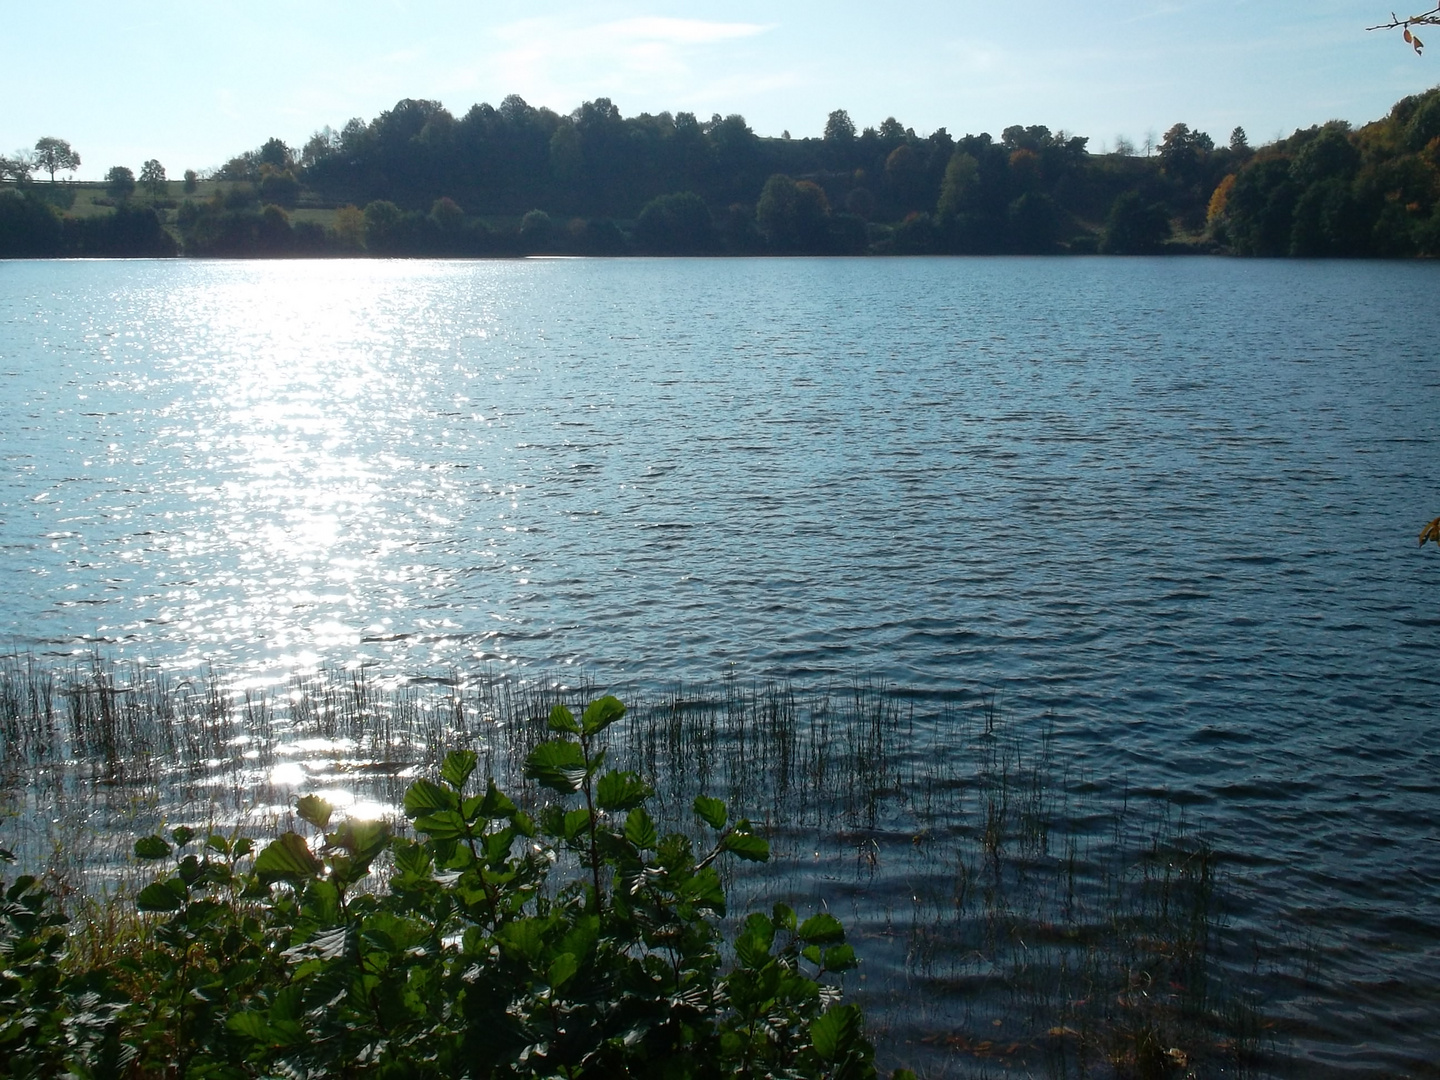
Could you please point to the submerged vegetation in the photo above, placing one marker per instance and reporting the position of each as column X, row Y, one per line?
column 1003, row 912
column 516, row 180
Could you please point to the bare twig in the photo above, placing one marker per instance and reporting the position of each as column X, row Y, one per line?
column 1427, row 18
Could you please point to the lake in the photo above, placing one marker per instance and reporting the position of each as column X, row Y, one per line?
column 1169, row 506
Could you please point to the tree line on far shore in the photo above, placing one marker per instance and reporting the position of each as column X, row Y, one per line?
column 517, row 180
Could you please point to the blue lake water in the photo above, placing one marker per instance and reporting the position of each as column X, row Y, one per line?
column 1170, row 504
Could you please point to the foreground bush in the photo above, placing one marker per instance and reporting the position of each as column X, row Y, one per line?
column 467, row 958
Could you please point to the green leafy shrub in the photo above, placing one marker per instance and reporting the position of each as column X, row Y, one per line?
column 468, row 957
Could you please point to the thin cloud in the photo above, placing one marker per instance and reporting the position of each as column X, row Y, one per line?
column 638, row 55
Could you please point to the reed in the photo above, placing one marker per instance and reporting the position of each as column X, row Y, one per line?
column 1010, row 915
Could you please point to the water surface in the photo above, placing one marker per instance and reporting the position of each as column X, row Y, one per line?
column 1171, row 505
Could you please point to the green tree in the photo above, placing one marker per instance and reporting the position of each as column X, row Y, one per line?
column 537, row 231
column 120, row 182
column 320, row 146
column 1135, row 227
column 1034, row 224
column 349, row 228
column 382, row 219
column 678, row 224
column 276, row 154
column 29, row 227
column 17, row 168
column 278, row 186
column 152, row 175
column 1183, row 153
column 448, row 216
column 839, row 128
column 567, row 159
column 960, row 175
column 192, row 181
column 55, row 155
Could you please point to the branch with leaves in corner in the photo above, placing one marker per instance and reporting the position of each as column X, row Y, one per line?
column 1427, row 18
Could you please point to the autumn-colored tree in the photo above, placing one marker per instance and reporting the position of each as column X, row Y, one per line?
column 1219, row 199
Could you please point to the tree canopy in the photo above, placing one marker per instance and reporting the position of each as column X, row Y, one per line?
column 55, row 155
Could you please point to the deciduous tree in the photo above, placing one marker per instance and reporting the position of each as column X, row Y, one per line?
column 17, row 168
column 120, row 182
column 839, row 128
column 55, row 155
column 152, row 175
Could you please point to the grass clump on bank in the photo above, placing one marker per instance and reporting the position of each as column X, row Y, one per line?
column 466, row 958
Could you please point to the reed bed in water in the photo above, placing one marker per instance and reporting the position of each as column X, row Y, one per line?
column 1011, row 915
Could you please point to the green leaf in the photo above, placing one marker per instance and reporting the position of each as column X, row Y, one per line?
column 640, row 829
column 287, row 858
column 784, row 916
column 151, row 847
column 497, row 846
column 836, row 1033
column 562, row 719
column 362, row 839
column 822, row 929
column 457, row 767
column 705, row 890
column 161, row 896
column 748, row 846
column 445, row 825
column 840, row 958
column 523, row 937
column 562, row 968
column 314, row 809
column 497, row 804
column 576, row 822
column 426, row 796
column 711, row 811
column 558, row 764
column 251, row 1023
column 601, row 714
column 675, row 853
column 753, row 943
column 182, row 835
column 621, row 791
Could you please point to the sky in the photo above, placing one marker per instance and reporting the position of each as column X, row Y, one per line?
column 194, row 84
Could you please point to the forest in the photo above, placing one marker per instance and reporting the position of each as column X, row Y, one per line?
column 520, row 180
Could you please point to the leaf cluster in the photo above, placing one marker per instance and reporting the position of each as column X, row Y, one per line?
column 577, row 941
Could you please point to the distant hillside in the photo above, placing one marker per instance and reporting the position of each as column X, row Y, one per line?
column 516, row 180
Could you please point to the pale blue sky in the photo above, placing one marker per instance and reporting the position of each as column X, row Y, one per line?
column 194, row 83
